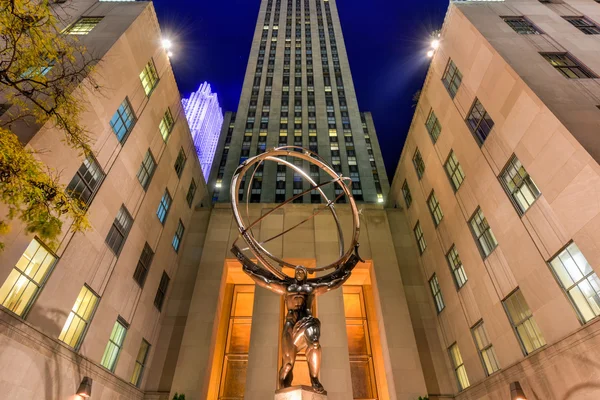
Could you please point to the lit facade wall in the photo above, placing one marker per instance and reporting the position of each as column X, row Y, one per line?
column 497, row 183
column 205, row 118
column 59, row 321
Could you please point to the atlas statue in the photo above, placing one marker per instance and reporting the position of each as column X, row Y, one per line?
column 301, row 329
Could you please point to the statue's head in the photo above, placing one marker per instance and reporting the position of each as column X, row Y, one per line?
column 300, row 274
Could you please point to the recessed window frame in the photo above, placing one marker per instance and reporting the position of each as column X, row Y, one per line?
column 526, row 28
column 164, row 206
column 485, row 348
column 452, row 78
column 161, row 291
column 479, row 122
column 484, row 232
column 436, row 293
column 166, row 125
column 419, row 164
column 434, row 127
column 454, row 171
column 406, row 194
column 533, row 326
column 576, row 68
column 143, row 265
column 87, row 179
column 123, row 216
column 149, row 77
column 123, row 118
column 178, row 237
column 83, row 26
column 420, row 238
column 513, row 169
column 456, row 267
column 79, row 316
column 147, row 169
column 115, row 341
column 435, row 209
column 189, row 198
column 140, row 363
column 180, row 163
column 460, row 372
column 583, row 24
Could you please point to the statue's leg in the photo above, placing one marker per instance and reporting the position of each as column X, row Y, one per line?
column 288, row 351
column 313, row 355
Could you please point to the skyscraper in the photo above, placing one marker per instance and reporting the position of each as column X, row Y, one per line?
column 205, row 118
column 298, row 91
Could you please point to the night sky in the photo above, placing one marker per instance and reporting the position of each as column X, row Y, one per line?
column 386, row 42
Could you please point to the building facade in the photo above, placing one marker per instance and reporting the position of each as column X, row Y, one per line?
column 94, row 304
column 498, row 182
column 205, row 117
column 298, row 91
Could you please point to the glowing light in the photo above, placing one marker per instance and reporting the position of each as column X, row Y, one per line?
column 430, row 53
column 218, row 185
column 435, row 44
column 167, row 44
column 169, row 54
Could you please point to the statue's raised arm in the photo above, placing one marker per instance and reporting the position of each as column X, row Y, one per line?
column 263, row 278
column 337, row 278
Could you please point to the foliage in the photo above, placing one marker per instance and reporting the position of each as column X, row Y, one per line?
column 40, row 68
column 179, row 397
column 423, row 398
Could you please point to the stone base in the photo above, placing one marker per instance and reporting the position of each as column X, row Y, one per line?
column 299, row 393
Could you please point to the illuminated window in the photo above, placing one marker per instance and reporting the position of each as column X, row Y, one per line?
column 419, row 164
column 452, row 78
column 237, row 345
column 178, row 237
column 566, row 65
column 483, row 233
column 79, row 319
column 433, row 126
column 584, row 25
column 435, row 209
column 521, row 319
column 123, row 120
column 420, row 237
column 578, row 280
column 436, row 292
column 519, row 185
column 454, row 171
column 456, row 266
column 459, row 367
column 114, row 345
column 359, row 344
column 83, row 26
column 27, row 278
column 166, row 125
column 485, row 349
column 521, row 25
column 140, row 363
column 149, row 77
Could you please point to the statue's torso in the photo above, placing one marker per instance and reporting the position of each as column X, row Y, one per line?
column 298, row 299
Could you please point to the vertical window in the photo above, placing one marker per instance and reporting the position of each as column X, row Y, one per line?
column 178, row 236
column 578, row 280
column 485, row 349
column 163, row 207
column 119, row 230
column 83, row 26
column 166, row 125
column 452, row 78
column 419, row 164
column 522, row 321
column 27, row 278
column 79, row 319
column 435, row 209
column 459, row 367
column 567, row 66
column 454, row 171
column 420, row 238
column 237, row 345
column 123, row 120
column 584, row 25
column 140, row 363
column 86, row 181
column 436, row 292
column 191, row 193
column 521, row 25
column 433, row 126
column 149, row 77
column 180, row 162
column 519, row 185
column 146, row 170
column 114, row 345
column 406, row 194
column 161, row 292
column 479, row 122
column 362, row 370
column 483, row 233
column 143, row 265
column 456, row 266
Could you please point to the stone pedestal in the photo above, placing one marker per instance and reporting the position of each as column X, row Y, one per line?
column 299, row 393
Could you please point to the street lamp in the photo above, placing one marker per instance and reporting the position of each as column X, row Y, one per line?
column 85, row 387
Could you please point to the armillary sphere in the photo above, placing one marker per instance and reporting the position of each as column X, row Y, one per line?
column 284, row 156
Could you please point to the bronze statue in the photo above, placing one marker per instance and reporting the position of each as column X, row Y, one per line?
column 301, row 329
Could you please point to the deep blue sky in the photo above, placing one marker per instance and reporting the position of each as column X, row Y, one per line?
column 386, row 42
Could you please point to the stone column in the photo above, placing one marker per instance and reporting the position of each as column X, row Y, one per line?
column 335, row 369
